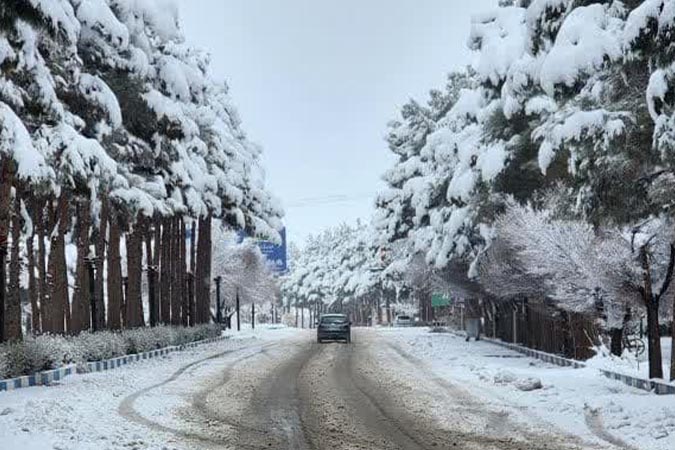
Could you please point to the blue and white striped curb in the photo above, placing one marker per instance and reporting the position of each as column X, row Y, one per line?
column 100, row 366
column 47, row 377
column 658, row 387
column 547, row 357
column 44, row 378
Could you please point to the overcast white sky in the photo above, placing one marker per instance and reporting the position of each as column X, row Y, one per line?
column 316, row 82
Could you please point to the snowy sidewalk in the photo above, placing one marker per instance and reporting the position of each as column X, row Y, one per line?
column 81, row 412
column 581, row 402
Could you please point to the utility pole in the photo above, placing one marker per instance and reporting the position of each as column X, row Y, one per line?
column 219, row 314
column 253, row 316
column 238, row 320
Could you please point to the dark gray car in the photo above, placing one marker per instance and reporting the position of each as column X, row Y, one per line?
column 334, row 327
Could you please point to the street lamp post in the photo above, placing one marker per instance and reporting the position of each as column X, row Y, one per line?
column 219, row 314
column 237, row 306
column 93, row 309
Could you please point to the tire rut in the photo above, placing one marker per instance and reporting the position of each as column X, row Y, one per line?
column 127, row 410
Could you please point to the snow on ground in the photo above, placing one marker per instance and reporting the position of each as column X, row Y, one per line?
column 578, row 401
column 629, row 363
column 81, row 412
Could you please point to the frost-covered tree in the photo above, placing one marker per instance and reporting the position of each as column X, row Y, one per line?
column 114, row 137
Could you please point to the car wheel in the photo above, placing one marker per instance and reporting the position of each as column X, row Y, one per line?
column 319, row 341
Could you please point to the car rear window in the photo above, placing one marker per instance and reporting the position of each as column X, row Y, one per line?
column 403, row 318
column 333, row 319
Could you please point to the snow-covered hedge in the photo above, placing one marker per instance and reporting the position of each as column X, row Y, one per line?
column 36, row 353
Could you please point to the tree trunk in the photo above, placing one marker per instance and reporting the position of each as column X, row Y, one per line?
column 33, row 290
column 616, row 343
column 81, row 312
column 191, row 278
column 672, row 344
column 652, row 306
column 176, row 300
column 165, row 285
column 153, row 305
column 99, row 319
column 182, row 277
column 41, row 263
column 654, row 339
column 114, row 276
column 60, row 301
column 13, row 330
column 133, row 299
column 203, row 269
column 6, row 179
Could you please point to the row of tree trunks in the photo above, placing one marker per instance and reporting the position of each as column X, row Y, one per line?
column 176, row 296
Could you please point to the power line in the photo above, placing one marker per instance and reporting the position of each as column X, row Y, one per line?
column 327, row 200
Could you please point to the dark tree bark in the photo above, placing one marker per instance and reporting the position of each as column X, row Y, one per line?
column 191, row 278
column 45, row 298
column 182, row 278
column 153, row 304
column 165, row 285
column 13, row 330
column 115, row 294
column 203, row 270
column 654, row 339
column 7, row 170
column 133, row 299
column 60, row 302
column 98, row 319
column 176, row 299
column 616, row 341
column 81, row 312
column 672, row 341
column 652, row 303
column 33, row 289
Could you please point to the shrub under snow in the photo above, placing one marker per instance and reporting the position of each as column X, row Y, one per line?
column 37, row 353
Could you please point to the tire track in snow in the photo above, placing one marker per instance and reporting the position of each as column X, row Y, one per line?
column 127, row 410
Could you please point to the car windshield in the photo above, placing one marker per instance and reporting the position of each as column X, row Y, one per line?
column 403, row 318
column 333, row 319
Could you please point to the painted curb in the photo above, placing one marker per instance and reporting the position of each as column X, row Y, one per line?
column 44, row 378
column 114, row 363
column 48, row 377
column 658, row 387
column 547, row 357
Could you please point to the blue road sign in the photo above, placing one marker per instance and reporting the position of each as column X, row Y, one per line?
column 275, row 254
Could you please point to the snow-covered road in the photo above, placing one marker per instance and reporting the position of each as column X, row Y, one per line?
column 390, row 389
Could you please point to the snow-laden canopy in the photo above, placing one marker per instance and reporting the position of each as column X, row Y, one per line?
column 106, row 96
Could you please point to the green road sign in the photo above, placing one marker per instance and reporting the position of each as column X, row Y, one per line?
column 440, row 300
